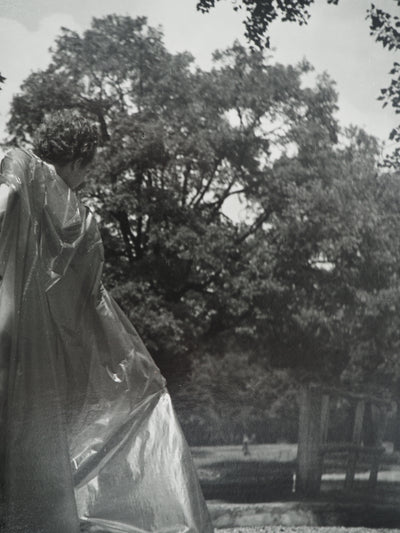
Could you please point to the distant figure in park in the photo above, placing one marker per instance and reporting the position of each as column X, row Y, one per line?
column 245, row 444
column 88, row 435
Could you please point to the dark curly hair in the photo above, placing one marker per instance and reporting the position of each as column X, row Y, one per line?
column 65, row 136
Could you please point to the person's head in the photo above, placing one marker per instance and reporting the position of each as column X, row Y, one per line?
column 67, row 140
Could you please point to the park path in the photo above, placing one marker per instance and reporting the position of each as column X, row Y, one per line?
column 308, row 529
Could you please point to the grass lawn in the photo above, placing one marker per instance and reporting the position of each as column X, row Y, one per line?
column 267, row 474
column 207, row 455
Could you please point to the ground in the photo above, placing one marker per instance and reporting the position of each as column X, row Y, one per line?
column 259, row 491
column 280, row 529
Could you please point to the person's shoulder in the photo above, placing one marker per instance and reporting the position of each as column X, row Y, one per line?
column 16, row 153
column 15, row 158
column 17, row 168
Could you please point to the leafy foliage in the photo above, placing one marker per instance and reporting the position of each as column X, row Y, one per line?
column 233, row 395
column 385, row 28
column 383, row 25
column 261, row 13
column 177, row 144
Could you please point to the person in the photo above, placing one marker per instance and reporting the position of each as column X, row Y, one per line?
column 89, row 438
column 245, row 444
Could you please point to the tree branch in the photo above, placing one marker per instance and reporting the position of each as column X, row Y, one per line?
column 253, row 228
column 186, row 175
column 199, row 197
column 127, row 235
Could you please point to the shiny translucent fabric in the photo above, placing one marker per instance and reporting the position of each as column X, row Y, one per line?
column 88, row 436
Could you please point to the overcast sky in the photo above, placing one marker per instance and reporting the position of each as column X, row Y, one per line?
column 336, row 40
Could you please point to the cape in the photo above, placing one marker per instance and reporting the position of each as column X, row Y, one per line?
column 88, row 436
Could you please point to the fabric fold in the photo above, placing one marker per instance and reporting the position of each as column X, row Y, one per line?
column 88, row 432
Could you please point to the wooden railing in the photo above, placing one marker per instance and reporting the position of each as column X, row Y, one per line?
column 313, row 446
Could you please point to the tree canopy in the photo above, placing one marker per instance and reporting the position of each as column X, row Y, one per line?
column 385, row 28
column 303, row 286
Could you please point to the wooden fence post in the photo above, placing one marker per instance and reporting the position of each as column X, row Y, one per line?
column 357, row 434
column 309, row 458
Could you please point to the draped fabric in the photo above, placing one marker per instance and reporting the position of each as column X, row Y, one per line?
column 88, row 435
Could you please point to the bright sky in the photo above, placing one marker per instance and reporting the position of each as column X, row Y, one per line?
column 336, row 40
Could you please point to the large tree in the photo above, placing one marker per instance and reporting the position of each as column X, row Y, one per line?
column 324, row 296
column 177, row 144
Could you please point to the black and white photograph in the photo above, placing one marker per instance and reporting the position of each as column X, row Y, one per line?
column 199, row 266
